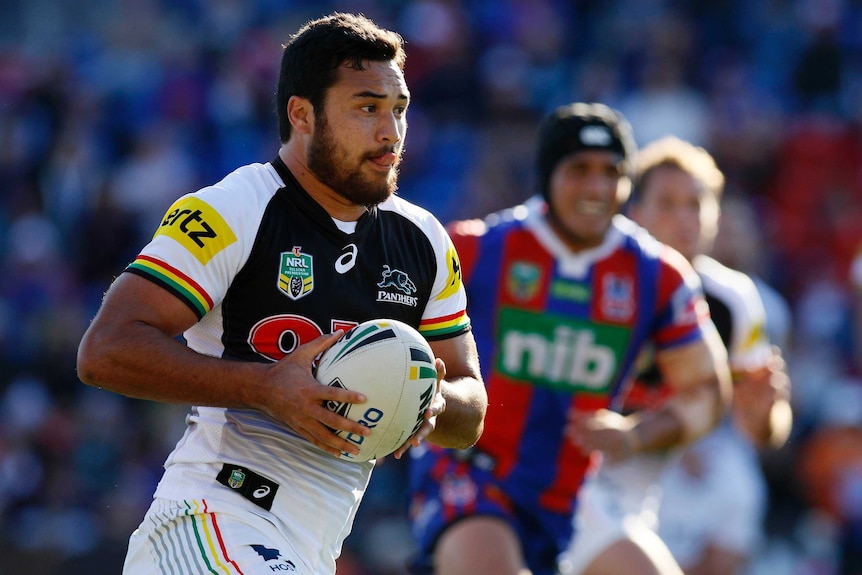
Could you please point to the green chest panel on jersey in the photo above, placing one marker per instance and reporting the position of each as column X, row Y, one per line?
column 560, row 352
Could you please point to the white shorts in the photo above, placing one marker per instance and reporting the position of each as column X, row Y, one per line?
column 209, row 536
column 223, row 511
column 619, row 502
column 725, row 506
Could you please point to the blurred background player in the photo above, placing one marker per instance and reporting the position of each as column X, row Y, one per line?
column 709, row 504
column 564, row 291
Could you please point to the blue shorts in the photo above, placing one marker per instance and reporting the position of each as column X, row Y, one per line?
column 447, row 487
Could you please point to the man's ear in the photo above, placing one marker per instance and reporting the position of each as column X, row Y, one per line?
column 300, row 112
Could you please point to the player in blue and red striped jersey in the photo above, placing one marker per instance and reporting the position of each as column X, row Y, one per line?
column 564, row 293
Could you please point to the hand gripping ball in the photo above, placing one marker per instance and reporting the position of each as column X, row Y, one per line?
column 393, row 365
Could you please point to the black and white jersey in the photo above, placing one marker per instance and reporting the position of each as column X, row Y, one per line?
column 266, row 269
column 737, row 310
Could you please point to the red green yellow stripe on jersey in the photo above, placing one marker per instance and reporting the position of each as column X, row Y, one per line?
column 189, row 538
column 174, row 281
column 443, row 326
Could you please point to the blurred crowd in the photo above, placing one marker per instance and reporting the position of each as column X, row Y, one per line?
column 109, row 110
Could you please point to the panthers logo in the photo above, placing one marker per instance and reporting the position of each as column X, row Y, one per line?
column 396, row 279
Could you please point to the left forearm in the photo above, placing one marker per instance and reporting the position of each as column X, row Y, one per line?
column 461, row 424
column 681, row 420
column 699, row 376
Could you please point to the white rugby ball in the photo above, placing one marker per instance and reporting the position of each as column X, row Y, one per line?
column 393, row 365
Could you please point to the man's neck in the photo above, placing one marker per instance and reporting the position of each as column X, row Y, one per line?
column 334, row 203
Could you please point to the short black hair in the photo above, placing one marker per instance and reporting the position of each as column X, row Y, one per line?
column 312, row 56
column 581, row 126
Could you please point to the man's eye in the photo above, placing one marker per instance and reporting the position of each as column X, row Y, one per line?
column 400, row 111
column 576, row 169
column 370, row 108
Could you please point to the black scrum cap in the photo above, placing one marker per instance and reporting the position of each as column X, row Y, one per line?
column 581, row 126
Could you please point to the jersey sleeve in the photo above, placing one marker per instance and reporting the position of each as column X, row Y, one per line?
column 202, row 242
column 736, row 297
column 750, row 346
column 465, row 236
column 445, row 315
column 683, row 313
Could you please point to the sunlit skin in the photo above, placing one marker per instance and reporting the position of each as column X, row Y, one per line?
column 677, row 211
column 587, row 189
column 346, row 155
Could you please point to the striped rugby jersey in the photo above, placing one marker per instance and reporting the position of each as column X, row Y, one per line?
column 558, row 331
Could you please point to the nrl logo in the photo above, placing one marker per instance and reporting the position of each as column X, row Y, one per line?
column 523, row 280
column 237, row 478
column 295, row 274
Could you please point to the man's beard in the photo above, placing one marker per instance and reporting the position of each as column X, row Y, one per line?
column 329, row 164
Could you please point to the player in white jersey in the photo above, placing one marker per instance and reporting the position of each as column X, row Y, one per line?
column 260, row 273
column 698, row 511
column 714, row 498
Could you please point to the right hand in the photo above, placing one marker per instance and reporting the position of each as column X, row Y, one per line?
column 603, row 430
column 756, row 393
column 297, row 399
column 438, row 406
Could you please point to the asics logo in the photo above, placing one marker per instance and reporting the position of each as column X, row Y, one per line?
column 254, row 487
column 346, row 261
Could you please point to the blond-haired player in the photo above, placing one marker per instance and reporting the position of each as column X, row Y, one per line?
column 704, row 504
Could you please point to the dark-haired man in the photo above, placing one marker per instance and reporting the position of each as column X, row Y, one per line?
column 261, row 273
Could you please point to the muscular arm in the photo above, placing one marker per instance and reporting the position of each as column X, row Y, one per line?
column 700, row 377
column 131, row 348
column 466, row 399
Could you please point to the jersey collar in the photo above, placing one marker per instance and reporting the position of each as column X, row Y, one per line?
column 315, row 210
